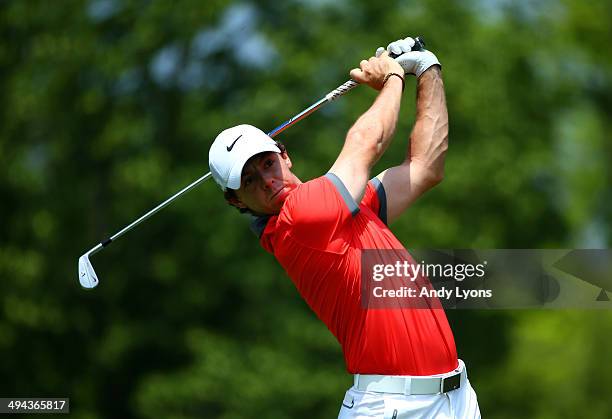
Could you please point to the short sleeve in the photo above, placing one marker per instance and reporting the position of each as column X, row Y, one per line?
column 375, row 198
column 319, row 212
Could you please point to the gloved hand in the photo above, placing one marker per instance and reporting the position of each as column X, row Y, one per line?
column 413, row 62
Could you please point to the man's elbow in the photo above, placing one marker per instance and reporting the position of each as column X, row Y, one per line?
column 436, row 167
column 367, row 139
column 433, row 177
column 434, row 171
column 437, row 178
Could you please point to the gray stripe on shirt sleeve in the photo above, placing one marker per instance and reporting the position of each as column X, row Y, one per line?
column 348, row 199
column 382, row 199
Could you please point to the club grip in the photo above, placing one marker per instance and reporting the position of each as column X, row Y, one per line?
column 341, row 90
column 419, row 45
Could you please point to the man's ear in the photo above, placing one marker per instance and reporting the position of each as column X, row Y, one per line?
column 285, row 157
column 236, row 202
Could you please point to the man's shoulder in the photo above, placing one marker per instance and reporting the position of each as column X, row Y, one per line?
column 287, row 213
column 323, row 194
column 306, row 194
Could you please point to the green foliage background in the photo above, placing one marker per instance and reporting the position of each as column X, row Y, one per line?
column 109, row 106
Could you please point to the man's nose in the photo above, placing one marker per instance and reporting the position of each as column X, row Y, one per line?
column 267, row 180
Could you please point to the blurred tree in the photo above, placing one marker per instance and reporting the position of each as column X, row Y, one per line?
column 110, row 106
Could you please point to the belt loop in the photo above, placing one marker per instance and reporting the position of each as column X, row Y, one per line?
column 356, row 381
column 407, row 386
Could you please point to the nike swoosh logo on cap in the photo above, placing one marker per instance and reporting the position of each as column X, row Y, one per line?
column 229, row 148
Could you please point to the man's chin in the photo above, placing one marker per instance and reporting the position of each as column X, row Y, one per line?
column 279, row 199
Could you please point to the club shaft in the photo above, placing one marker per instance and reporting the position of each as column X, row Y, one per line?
column 160, row 206
column 157, row 208
column 331, row 96
column 296, row 118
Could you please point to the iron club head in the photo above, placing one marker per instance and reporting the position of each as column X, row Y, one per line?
column 87, row 275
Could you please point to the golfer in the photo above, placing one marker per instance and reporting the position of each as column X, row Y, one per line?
column 404, row 360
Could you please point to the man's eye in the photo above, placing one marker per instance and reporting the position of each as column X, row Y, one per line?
column 268, row 163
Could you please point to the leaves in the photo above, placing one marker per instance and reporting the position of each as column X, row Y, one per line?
column 109, row 107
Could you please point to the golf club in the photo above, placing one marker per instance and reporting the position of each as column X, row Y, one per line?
column 87, row 275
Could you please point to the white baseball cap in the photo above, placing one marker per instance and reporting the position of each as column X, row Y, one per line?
column 231, row 150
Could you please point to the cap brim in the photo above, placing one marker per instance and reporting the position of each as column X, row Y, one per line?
column 233, row 182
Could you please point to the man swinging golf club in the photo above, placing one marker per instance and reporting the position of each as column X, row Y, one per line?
column 404, row 360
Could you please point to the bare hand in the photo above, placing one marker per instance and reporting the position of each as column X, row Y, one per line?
column 373, row 71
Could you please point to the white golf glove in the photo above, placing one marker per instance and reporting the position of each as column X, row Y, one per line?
column 413, row 62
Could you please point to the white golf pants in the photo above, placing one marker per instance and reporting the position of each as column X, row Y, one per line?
column 456, row 404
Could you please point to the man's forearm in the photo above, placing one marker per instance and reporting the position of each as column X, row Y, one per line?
column 377, row 125
column 429, row 137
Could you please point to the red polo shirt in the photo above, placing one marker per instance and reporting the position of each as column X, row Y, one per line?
column 317, row 238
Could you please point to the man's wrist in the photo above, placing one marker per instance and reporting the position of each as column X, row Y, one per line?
column 394, row 77
column 434, row 70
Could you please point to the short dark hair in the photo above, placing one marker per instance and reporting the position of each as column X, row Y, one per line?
column 230, row 194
